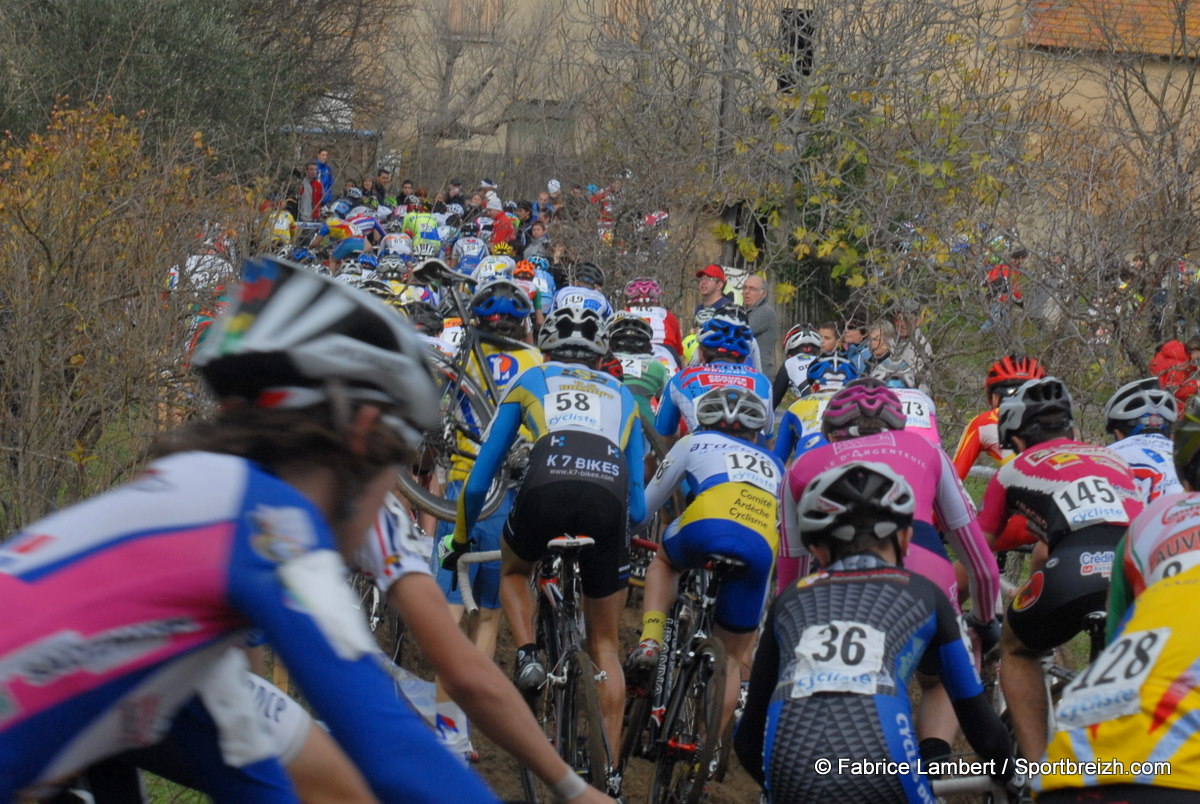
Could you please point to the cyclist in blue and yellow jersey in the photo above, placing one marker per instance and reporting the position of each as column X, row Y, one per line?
column 800, row 425
column 724, row 345
column 735, row 512
column 498, row 308
column 584, row 479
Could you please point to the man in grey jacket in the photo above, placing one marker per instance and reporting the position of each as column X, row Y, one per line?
column 763, row 322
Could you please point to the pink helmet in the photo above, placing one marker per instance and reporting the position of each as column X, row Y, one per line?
column 862, row 399
column 643, row 289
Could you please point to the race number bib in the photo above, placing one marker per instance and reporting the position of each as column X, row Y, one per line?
column 631, row 366
column 916, row 414
column 1089, row 501
column 1173, row 566
column 572, row 404
column 1111, row 686
column 840, row 656
column 757, row 470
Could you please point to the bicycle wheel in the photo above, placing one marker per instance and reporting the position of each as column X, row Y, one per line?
column 633, row 729
column 691, row 728
column 465, row 412
column 569, row 711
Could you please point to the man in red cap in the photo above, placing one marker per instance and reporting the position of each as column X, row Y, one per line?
column 712, row 283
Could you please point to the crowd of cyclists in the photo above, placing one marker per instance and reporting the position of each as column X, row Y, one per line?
column 863, row 565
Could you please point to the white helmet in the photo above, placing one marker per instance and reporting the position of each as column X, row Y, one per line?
column 293, row 332
column 1141, row 406
column 731, row 404
column 574, row 332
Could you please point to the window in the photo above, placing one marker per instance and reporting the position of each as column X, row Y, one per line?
column 1150, row 27
column 796, row 31
column 474, row 19
column 541, row 127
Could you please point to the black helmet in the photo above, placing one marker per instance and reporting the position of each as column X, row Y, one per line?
column 1027, row 411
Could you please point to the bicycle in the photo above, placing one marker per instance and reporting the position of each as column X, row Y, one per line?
column 466, row 405
column 568, row 704
column 678, row 724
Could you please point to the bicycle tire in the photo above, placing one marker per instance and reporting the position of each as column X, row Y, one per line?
column 693, row 722
column 440, row 445
column 633, row 729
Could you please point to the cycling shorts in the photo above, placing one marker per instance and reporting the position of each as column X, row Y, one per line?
column 740, row 602
column 552, row 501
column 485, row 577
column 1049, row 609
column 927, row 557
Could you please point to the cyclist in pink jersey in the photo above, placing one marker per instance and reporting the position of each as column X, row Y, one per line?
column 865, row 422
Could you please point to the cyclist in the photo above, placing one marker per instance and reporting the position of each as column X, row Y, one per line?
column 643, row 296
column 800, row 426
column 980, row 435
column 724, row 343
column 524, row 274
column 734, row 513
column 631, row 339
column 802, row 343
column 1078, row 500
column 866, row 421
column 1140, row 415
column 831, row 673
column 1162, row 541
column 498, row 307
column 919, row 410
column 428, row 322
column 544, row 279
column 239, row 524
column 468, row 249
column 827, row 372
column 584, row 478
column 422, row 227
column 494, row 266
column 586, row 292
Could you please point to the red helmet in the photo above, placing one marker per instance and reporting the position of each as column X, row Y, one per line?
column 1012, row 370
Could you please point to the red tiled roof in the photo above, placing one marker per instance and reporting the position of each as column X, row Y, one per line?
column 1155, row 27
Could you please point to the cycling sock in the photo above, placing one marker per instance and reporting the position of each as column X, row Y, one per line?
column 653, row 625
column 934, row 748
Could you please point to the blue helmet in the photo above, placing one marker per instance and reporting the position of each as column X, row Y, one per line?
column 501, row 297
column 830, row 373
column 341, row 208
column 368, row 261
column 539, row 262
column 726, row 334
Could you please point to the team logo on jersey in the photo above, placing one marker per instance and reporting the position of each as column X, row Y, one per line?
column 1096, row 563
column 504, row 367
column 1030, row 592
column 1179, row 543
column 1186, row 508
column 281, row 534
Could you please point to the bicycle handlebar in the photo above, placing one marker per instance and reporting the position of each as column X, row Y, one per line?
column 464, row 578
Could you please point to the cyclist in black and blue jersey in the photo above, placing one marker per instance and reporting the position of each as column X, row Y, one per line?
column 829, row 687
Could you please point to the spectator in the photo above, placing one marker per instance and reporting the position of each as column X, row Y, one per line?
column 524, row 213
column 712, row 285
column 911, row 344
column 1003, row 285
column 502, row 228
column 542, row 207
column 1175, row 367
column 382, row 177
column 539, row 243
column 325, row 173
column 763, row 321
column 368, row 192
column 491, row 200
column 454, row 193
column 554, row 191
column 881, row 339
column 311, row 193
column 854, row 344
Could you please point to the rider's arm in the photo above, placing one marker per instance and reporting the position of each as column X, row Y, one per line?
column 1120, row 595
column 993, row 514
column 635, row 459
column 968, row 449
column 498, row 438
column 751, row 731
column 667, row 420
column 779, row 388
column 665, row 480
column 957, row 516
column 307, row 612
column 785, row 441
column 474, row 681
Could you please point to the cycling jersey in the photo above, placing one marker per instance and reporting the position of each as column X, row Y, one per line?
column 582, row 298
column 920, row 414
column 665, row 325
column 503, row 367
column 734, row 512
column 467, row 253
column 792, row 376
column 830, row 682
column 395, row 245
column 587, row 452
column 1163, row 541
column 800, row 426
column 548, row 287
column 1062, row 486
column 1150, row 456
column 679, row 401
column 982, row 435
column 364, row 225
column 1137, row 702
column 646, row 378
column 493, row 267
column 422, row 227
column 215, row 545
column 939, row 498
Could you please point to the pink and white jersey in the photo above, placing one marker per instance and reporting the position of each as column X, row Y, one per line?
column 940, row 501
column 1151, row 457
column 1164, row 540
column 920, row 414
